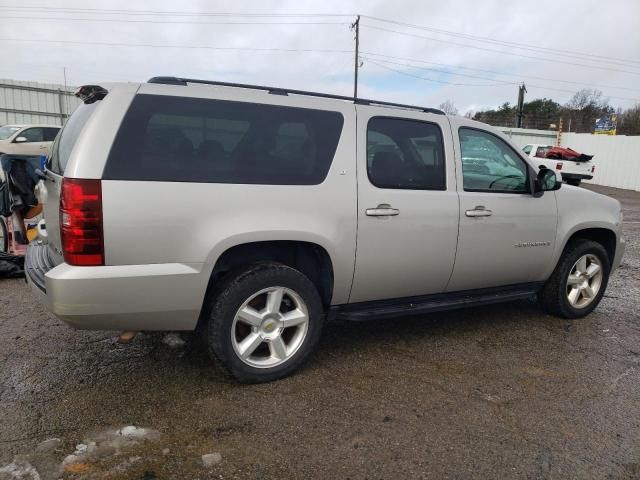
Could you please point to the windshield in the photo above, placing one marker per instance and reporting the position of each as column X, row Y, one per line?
column 6, row 132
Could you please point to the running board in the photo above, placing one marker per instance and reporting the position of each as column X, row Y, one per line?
column 398, row 307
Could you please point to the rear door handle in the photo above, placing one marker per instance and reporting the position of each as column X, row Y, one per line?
column 382, row 210
column 479, row 211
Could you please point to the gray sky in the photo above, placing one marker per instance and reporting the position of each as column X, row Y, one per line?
column 597, row 45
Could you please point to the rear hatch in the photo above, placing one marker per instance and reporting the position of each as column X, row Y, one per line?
column 56, row 164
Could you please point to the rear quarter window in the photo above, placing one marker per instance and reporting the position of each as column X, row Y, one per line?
column 67, row 138
column 178, row 139
column 542, row 151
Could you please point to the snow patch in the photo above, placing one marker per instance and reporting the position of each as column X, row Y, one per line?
column 21, row 470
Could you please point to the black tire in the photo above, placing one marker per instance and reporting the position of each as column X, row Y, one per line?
column 574, row 182
column 236, row 288
column 553, row 296
column 4, row 236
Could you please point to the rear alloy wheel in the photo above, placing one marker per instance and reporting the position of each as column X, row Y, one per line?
column 265, row 320
column 269, row 327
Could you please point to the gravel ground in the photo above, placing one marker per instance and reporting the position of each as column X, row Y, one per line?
column 501, row 391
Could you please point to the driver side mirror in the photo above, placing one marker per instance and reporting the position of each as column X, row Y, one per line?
column 547, row 181
column 20, row 140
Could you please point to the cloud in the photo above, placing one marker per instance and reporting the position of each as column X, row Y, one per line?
column 607, row 29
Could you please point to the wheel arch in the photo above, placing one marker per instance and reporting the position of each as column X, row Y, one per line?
column 310, row 258
column 602, row 235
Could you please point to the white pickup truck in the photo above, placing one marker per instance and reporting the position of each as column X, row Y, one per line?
column 573, row 170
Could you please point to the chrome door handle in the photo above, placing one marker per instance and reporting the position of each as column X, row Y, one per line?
column 382, row 210
column 479, row 211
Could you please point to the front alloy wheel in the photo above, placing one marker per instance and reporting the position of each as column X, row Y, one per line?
column 579, row 280
column 584, row 281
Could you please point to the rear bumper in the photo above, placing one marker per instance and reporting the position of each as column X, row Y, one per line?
column 126, row 297
column 576, row 176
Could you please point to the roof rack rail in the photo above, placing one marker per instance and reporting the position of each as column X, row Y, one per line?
column 287, row 91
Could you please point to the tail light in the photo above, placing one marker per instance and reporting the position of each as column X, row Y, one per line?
column 81, row 222
column 559, row 166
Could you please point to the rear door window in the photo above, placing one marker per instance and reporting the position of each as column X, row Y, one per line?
column 405, row 154
column 178, row 139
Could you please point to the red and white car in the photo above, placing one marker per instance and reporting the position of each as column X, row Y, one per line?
column 573, row 166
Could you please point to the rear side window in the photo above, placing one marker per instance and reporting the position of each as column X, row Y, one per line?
column 542, row 151
column 50, row 133
column 64, row 143
column 178, row 139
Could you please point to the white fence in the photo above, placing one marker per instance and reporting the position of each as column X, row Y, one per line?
column 30, row 102
column 617, row 157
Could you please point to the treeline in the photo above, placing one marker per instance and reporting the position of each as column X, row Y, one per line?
column 578, row 114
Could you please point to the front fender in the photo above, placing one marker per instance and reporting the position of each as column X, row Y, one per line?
column 580, row 209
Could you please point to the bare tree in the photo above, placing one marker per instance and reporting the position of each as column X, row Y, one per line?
column 448, row 107
column 629, row 121
column 584, row 107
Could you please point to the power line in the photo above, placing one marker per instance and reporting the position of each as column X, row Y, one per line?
column 436, row 80
column 485, row 85
column 524, row 46
column 171, row 13
column 554, row 51
column 373, row 60
column 499, row 51
column 487, row 71
column 179, row 22
column 150, row 45
column 573, row 91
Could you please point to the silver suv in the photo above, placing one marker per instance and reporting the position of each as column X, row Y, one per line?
column 257, row 214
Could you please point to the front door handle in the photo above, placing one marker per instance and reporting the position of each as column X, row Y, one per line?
column 479, row 211
column 382, row 210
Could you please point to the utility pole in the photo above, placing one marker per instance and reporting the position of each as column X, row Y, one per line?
column 559, row 136
column 356, row 25
column 66, row 95
column 521, row 91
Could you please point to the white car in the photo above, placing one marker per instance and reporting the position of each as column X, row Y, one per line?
column 572, row 171
column 27, row 139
